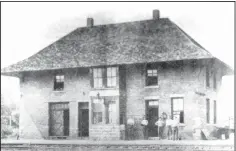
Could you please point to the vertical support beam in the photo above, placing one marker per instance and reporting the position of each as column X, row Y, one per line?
column 73, row 119
column 118, row 110
column 90, row 115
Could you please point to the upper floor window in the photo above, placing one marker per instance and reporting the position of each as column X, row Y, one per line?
column 207, row 77
column 97, row 78
column 214, row 81
column 151, row 78
column 207, row 110
column 59, row 82
column 111, row 77
column 177, row 106
column 104, row 77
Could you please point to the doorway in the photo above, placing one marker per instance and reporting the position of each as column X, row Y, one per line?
column 59, row 119
column 83, row 124
column 152, row 116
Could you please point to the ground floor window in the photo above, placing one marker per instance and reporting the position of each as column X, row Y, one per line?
column 211, row 111
column 207, row 110
column 177, row 107
column 59, row 119
column 215, row 112
column 104, row 111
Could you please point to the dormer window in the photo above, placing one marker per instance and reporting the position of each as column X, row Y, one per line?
column 59, row 82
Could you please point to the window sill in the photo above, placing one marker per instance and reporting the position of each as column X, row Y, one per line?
column 112, row 88
column 210, row 124
column 58, row 91
column 152, row 87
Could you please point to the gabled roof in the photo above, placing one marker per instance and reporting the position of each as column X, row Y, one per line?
column 124, row 43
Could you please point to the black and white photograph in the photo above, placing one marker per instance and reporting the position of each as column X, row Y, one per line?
column 117, row 76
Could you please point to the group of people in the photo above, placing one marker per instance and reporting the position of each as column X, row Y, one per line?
column 172, row 125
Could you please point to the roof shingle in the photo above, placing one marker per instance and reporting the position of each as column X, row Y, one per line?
column 123, row 43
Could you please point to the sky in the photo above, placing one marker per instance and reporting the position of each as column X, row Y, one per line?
column 29, row 27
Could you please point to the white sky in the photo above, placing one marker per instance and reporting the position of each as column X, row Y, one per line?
column 29, row 27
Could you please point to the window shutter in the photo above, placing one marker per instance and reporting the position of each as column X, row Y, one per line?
column 91, row 77
column 145, row 74
column 104, row 77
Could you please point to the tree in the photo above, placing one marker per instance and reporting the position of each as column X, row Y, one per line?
column 5, row 119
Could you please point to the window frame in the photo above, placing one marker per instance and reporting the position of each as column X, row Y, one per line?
column 104, row 77
column 172, row 109
column 111, row 76
column 56, row 84
column 153, row 75
column 100, row 77
column 105, row 112
column 208, row 110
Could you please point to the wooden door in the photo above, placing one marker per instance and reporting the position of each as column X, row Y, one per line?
column 83, row 120
column 152, row 117
column 57, row 127
column 66, row 120
column 59, row 119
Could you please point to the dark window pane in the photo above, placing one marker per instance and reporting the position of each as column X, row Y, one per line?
column 181, row 118
column 59, row 82
column 151, row 81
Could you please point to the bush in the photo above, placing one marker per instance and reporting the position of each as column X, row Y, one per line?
column 6, row 131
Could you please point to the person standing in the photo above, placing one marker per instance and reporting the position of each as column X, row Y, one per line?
column 160, row 125
column 175, row 128
column 169, row 122
column 144, row 124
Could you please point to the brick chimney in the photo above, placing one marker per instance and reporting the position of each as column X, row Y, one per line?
column 89, row 22
column 156, row 14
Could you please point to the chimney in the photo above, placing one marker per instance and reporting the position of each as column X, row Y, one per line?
column 89, row 22
column 156, row 14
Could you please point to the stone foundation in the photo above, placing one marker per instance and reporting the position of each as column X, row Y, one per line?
column 104, row 132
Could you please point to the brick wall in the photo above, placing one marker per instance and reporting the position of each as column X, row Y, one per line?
column 37, row 92
column 186, row 82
